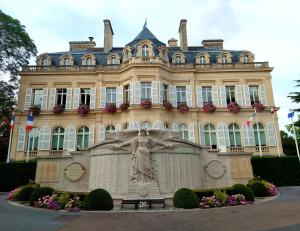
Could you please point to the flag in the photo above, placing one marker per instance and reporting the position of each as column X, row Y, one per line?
column 291, row 114
column 29, row 124
column 12, row 121
column 248, row 122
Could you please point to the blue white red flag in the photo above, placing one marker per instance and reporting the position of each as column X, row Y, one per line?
column 12, row 121
column 248, row 122
column 29, row 124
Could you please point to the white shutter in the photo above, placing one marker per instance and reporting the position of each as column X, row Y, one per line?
column 215, row 95
column 192, row 132
column 131, row 93
column 133, row 125
column 172, row 95
column 91, row 135
column 69, row 99
column 154, row 92
column 44, row 138
column 239, row 95
column 70, row 139
column 271, row 134
column 158, row 125
column 223, row 135
column 52, row 98
column 246, row 95
column 248, row 136
column 76, row 97
column 119, row 127
column 101, row 132
column 161, row 93
column 28, row 96
column 137, row 92
column 222, row 96
column 119, row 96
column 93, row 98
column 201, row 134
column 44, row 99
column 102, row 97
column 199, row 96
column 263, row 96
column 174, row 127
column 21, row 139
column 189, row 96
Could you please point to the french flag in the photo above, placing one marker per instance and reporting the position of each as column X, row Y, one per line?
column 248, row 122
column 12, row 121
column 29, row 124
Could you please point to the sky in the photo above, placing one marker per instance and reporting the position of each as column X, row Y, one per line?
column 268, row 28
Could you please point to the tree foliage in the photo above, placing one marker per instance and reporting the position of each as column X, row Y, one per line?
column 288, row 144
column 16, row 47
column 295, row 96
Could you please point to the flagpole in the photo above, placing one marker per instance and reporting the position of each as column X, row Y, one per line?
column 276, row 137
column 28, row 144
column 258, row 135
column 9, row 146
column 295, row 138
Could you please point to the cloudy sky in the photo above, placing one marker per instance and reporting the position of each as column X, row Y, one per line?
column 268, row 28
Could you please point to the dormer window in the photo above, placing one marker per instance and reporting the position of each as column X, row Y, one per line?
column 89, row 61
column 246, row 59
column 45, row 62
column 66, row 62
column 224, row 59
column 113, row 60
column 145, row 51
column 177, row 59
column 202, row 60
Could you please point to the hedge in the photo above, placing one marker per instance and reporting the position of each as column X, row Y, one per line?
column 281, row 171
column 15, row 174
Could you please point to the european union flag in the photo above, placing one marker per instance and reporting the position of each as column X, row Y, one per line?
column 291, row 114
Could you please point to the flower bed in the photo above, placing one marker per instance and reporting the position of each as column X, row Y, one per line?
column 83, row 109
column 110, row 108
column 145, row 103
column 209, row 107
column 233, row 107
column 258, row 106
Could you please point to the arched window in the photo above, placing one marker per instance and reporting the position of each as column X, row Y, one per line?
column 246, row 58
column 83, row 137
column 113, row 60
column 259, row 134
column 224, row 59
column 166, row 125
column 183, row 131
column 110, row 128
column 66, row 62
column 58, row 138
column 210, row 135
column 45, row 62
column 234, row 135
column 146, row 125
column 125, row 126
column 145, row 51
column 202, row 59
column 177, row 59
column 89, row 61
column 33, row 139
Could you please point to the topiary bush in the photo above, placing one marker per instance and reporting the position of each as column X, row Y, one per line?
column 245, row 190
column 259, row 189
column 98, row 199
column 40, row 192
column 25, row 193
column 185, row 198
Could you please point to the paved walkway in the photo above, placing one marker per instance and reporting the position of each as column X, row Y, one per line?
column 282, row 213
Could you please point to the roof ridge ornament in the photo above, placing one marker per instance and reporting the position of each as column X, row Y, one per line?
column 145, row 24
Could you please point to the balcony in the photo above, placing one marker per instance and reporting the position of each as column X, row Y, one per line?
column 56, row 152
column 263, row 149
column 32, row 154
column 236, row 149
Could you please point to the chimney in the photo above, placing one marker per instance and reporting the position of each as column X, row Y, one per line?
column 108, row 35
column 172, row 42
column 183, row 35
column 213, row 43
column 80, row 45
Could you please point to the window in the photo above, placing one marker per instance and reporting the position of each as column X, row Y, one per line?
column 145, row 51
column 234, row 135
column 110, row 128
column 146, row 91
column 246, row 58
column 85, row 96
column 259, row 132
column 202, row 59
column 230, row 94
column 146, row 125
column 89, row 61
column 125, row 126
column 58, row 138
column 61, row 97
column 224, row 59
column 181, row 94
column 177, row 59
column 165, row 92
column 37, row 97
column 126, row 94
column 113, row 60
column 33, row 139
column 45, row 62
column 111, row 95
column 166, row 125
column 67, row 62
column 83, row 137
column 206, row 95
column 254, row 95
column 210, row 135
column 183, row 131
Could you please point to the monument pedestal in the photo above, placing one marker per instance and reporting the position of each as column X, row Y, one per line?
column 143, row 190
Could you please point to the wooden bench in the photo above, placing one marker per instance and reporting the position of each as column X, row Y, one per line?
column 148, row 202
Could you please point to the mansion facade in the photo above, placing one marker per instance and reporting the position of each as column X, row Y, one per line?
column 146, row 84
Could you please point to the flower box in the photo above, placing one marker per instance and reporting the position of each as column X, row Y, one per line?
column 233, row 107
column 58, row 109
column 124, row 106
column 183, row 107
column 258, row 106
column 36, row 110
column 145, row 103
column 209, row 107
column 83, row 109
column 168, row 105
column 110, row 108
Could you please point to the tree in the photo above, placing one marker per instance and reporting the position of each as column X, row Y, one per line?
column 288, row 144
column 295, row 96
column 16, row 47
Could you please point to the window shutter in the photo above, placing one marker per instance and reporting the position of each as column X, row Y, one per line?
column 192, row 132
column 76, row 98
column 199, row 96
column 70, row 139
column 119, row 127
column 172, row 95
column 93, row 98
column 44, row 99
column 223, row 135
column 154, row 92
column 91, row 135
column 239, row 95
column 248, row 135
column 246, row 95
column 28, row 96
column 69, row 99
column 21, row 139
column 271, row 134
column 201, row 134
column 101, row 132
column 158, row 125
column 263, row 97
column 175, row 127
column 131, row 93
column 119, row 96
column 44, row 138
column 133, row 125
column 52, row 98
column 161, row 93
column 189, row 96
column 215, row 95
column 222, row 96
column 102, row 97
column 137, row 92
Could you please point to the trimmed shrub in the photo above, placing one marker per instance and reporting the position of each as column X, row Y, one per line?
column 25, row 193
column 259, row 189
column 245, row 190
column 98, row 199
column 185, row 198
column 40, row 192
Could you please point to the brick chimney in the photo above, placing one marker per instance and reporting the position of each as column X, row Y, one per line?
column 108, row 35
column 183, row 35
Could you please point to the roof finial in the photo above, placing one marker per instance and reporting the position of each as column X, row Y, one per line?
column 145, row 24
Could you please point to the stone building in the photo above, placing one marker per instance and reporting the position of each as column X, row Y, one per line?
column 191, row 79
